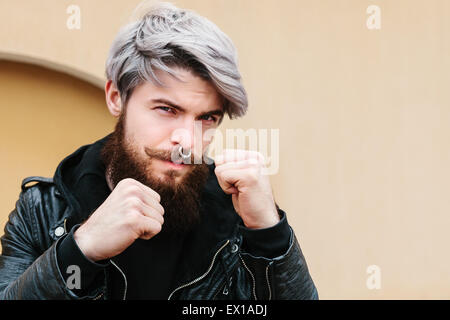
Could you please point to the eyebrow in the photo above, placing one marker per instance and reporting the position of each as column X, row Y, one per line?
column 217, row 112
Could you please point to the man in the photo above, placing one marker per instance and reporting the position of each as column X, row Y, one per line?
column 136, row 215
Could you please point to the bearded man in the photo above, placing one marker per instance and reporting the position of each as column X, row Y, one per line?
column 133, row 215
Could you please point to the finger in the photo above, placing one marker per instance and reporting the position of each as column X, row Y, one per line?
column 236, row 165
column 149, row 191
column 152, row 202
column 230, row 155
column 256, row 155
column 235, row 155
column 239, row 178
column 149, row 228
column 152, row 213
column 149, row 196
column 228, row 180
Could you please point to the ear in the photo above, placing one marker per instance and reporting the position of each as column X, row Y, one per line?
column 113, row 100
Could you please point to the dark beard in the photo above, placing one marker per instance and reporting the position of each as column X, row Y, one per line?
column 180, row 200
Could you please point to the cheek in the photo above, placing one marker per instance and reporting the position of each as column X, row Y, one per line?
column 205, row 144
column 207, row 137
column 144, row 130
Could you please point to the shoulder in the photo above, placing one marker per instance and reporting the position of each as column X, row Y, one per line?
column 36, row 188
column 44, row 207
column 26, row 183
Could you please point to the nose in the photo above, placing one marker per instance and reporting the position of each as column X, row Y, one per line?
column 188, row 135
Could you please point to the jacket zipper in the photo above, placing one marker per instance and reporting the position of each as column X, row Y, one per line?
column 124, row 277
column 253, row 279
column 268, row 282
column 203, row 275
column 99, row 296
column 251, row 274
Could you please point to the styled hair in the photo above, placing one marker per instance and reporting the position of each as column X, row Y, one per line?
column 167, row 37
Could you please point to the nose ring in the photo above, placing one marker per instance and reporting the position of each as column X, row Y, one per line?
column 182, row 155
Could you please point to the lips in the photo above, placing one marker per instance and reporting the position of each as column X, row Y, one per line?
column 175, row 165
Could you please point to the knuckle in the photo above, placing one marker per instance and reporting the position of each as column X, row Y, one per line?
column 133, row 190
column 155, row 227
column 125, row 182
column 253, row 162
column 157, row 196
column 160, row 218
column 260, row 157
column 132, row 220
column 134, row 203
column 154, row 194
column 252, row 176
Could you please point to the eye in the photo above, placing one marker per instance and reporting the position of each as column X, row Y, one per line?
column 166, row 109
column 208, row 117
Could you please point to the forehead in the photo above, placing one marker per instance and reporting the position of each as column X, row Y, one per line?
column 189, row 91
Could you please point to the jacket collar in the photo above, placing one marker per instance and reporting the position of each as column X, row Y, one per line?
column 69, row 172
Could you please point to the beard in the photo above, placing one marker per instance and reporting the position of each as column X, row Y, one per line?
column 180, row 192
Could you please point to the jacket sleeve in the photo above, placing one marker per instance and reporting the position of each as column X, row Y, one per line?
column 25, row 271
column 285, row 277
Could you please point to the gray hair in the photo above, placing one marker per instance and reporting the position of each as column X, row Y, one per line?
column 166, row 37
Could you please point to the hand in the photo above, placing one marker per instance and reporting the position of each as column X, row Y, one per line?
column 240, row 173
column 131, row 211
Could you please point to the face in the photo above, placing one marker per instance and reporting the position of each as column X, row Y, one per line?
column 156, row 121
column 163, row 118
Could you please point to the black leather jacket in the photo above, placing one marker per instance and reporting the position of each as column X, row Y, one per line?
column 29, row 267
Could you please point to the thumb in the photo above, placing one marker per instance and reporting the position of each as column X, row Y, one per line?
column 235, row 199
column 226, row 181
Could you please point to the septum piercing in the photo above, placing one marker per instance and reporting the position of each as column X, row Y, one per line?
column 182, row 155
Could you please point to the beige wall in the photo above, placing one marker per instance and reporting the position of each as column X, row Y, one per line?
column 46, row 116
column 363, row 118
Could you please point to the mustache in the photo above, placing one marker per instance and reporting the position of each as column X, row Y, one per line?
column 164, row 155
column 169, row 155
